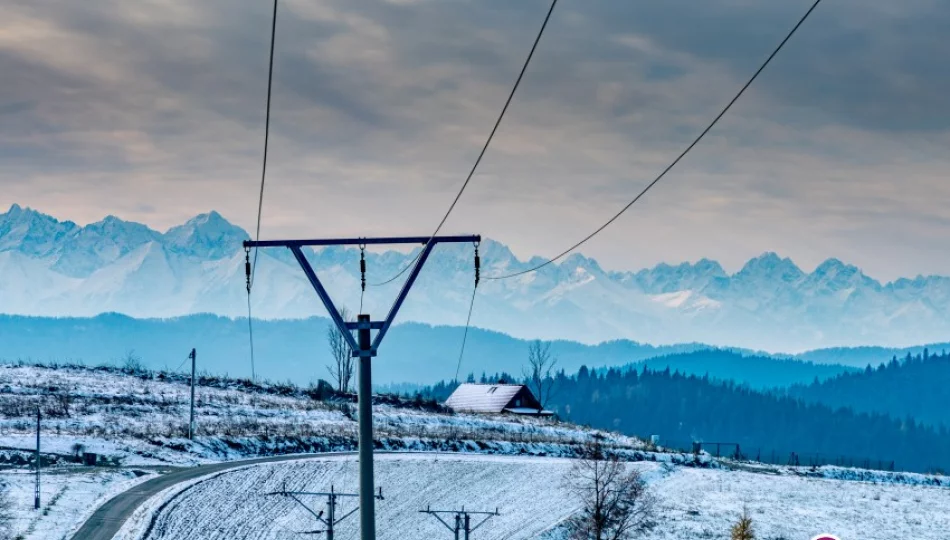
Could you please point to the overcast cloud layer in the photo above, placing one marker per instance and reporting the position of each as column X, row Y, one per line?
column 153, row 110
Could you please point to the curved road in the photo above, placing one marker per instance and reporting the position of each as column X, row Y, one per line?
column 106, row 521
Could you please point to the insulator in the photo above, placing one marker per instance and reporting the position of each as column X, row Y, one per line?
column 478, row 267
column 247, row 268
column 363, row 269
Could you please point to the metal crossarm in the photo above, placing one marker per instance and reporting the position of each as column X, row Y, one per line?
column 331, row 520
column 421, row 240
column 346, row 328
column 463, row 520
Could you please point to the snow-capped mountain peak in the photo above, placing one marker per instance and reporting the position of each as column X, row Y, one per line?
column 32, row 233
column 57, row 268
column 206, row 235
column 770, row 266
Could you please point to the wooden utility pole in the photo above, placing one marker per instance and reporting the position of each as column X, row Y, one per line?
column 36, row 490
column 191, row 418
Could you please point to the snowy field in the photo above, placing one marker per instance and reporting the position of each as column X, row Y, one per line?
column 703, row 503
column 68, row 497
column 235, row 505
column 693, row 503
column 142, row 420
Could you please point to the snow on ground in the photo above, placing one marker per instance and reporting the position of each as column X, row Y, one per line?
column 142, row 420
column 68, row 497
column 235, row 505
column 693, row 503
column 703, row 503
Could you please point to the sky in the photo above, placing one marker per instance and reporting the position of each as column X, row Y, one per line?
column 154, row 111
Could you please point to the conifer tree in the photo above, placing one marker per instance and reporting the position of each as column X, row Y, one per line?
column 742, row 530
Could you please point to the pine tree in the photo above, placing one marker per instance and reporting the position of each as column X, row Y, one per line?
column 742, row 530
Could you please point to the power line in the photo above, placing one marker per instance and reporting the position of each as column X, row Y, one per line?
column 675, row 161
column 488, row 141
column 270, row 80
column 182, row 363
column 468, row 321
column 252, row 270
column 250, row 335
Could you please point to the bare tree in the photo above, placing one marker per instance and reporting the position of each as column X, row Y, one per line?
column 539, row 371
column 342, row 365
column 615, row 502
column 63, row 399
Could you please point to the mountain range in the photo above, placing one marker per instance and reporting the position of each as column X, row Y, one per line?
column 58, row 268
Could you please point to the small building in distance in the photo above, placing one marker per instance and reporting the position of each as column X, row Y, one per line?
column 495, row 399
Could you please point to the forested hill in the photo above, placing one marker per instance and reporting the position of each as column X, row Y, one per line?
column 297, row 349
column 683, row 408
column 754, row 370
column 916, row 386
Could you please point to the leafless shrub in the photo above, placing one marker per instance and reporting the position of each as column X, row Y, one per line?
column 616, row 503
column 78, row 449
column 132, row 363
column 341, row 357
column 62, row 400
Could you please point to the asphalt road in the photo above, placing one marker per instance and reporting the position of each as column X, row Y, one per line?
column 109, row 518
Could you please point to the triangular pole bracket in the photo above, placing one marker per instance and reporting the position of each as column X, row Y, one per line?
column 346, row 328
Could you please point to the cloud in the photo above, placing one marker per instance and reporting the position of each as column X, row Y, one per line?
column 154, row 110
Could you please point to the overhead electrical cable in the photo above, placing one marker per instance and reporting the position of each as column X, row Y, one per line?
column 260, row 202
column 488, row 141
column 468, row 322
column 675, row 161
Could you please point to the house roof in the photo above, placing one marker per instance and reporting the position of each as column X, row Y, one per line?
column 483, row 398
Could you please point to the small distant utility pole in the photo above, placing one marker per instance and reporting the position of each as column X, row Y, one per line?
column 330, row 521
column 463, row 520
column 191, row 420
column 36, row 491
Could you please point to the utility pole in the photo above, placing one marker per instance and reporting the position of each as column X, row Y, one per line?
column 365, row 402
column 191, row 419
column 463, row 520
column 36, row 490
column 330, row 521
column 366, row 346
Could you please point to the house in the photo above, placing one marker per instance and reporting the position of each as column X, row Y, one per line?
column 495, row 398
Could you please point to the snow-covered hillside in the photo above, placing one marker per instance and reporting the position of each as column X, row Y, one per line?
column 693, row 503
column 142, row 420
column 137, row 422
column 58, row 268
